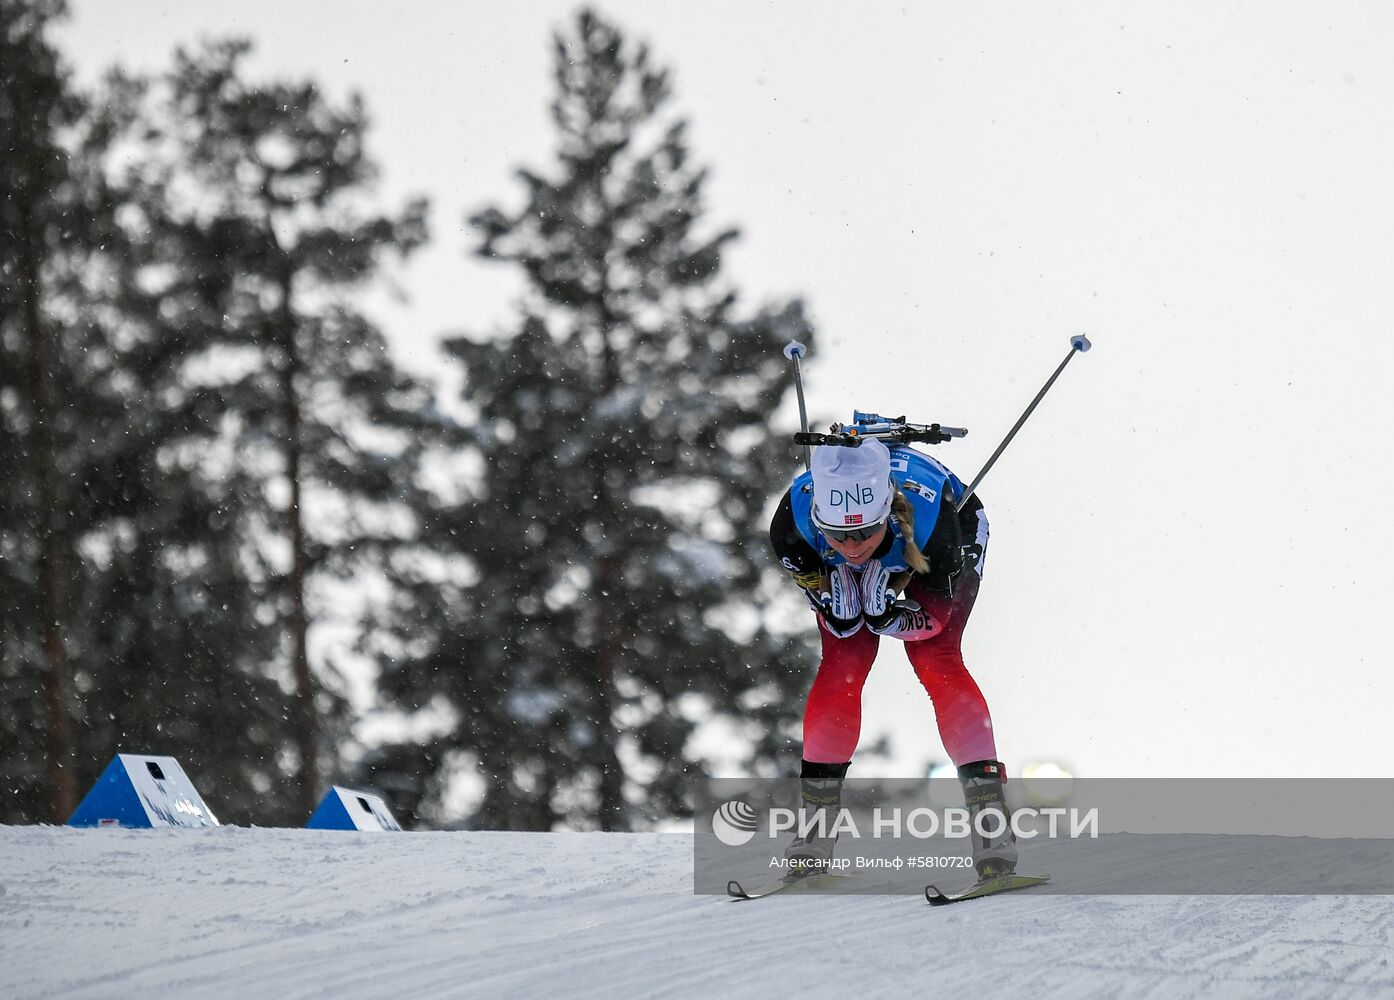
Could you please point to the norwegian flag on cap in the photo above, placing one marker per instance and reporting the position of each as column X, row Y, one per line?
column 852, row 519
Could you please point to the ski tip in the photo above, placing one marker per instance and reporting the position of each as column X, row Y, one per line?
column 935, row 897
column 734, row 890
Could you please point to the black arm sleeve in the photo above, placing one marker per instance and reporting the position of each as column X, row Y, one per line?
column 944, row 550
column 793, row 553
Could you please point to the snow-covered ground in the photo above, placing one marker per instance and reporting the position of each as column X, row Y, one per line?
column 237, row 912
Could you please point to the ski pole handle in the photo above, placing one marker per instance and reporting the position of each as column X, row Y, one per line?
column 794, row 351
column 1078, row 345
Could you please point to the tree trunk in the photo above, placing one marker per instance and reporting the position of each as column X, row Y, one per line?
column 6, row 697
column 59, row 738
column 303, row 715
column 612, row 813
column 608, row 642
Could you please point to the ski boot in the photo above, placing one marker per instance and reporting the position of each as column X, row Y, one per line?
column 821, row 785
column 982, row 792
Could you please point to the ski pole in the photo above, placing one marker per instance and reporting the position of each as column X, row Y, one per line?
column 793, row 351
column 1078, row 345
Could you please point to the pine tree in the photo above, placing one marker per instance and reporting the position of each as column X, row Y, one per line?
column 265, row 236
column 619, row 566
column 183, row 377
column 177, row 611
column 109, row 512
column 41, row 235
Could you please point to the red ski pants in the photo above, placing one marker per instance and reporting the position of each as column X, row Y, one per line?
column 832, row 719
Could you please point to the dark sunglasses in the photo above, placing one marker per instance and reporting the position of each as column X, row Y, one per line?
column 852, row 534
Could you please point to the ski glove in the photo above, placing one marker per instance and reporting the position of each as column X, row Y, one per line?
column 885, row 615
column 840, row 605
column 907, row 621
column 878, row 599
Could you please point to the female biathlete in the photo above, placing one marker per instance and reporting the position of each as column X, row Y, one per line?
column 871, row 536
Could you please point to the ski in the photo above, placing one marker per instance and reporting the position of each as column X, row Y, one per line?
column 736, row 891
column 984, row 887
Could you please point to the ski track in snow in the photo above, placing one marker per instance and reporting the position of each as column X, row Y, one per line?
column 317, row 914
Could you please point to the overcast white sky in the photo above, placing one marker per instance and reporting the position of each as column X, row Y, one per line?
column 1190, row 569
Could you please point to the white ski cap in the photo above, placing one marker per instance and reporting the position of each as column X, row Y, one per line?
column 851, row 486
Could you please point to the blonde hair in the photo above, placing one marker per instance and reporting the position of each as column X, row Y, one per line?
column 904, row 516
